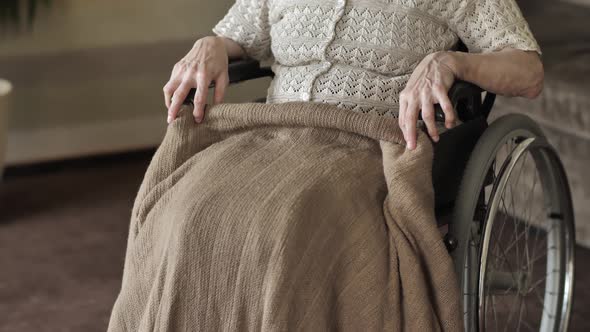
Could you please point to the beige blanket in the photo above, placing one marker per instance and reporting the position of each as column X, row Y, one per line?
column 292, row 217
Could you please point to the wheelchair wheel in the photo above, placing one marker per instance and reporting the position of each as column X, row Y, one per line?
column 514, row 226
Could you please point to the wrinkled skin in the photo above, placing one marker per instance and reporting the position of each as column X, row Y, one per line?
column 509, row 72
column 206, row 62
column 428, row 85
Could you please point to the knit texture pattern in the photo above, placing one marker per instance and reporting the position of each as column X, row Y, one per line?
column 359, row 54
column 292, row 217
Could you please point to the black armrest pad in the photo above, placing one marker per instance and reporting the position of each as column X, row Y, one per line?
column 239, row 71
column 462, row 89
column 247, row 69
column 466, row 100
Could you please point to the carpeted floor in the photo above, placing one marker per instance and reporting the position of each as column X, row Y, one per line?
column 63, row 230
column 62, row 240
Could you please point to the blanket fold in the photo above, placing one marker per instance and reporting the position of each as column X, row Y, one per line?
column 286, row 217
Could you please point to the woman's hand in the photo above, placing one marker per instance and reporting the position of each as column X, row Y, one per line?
column 429, row 84
column 206, row 62
column 508, row 72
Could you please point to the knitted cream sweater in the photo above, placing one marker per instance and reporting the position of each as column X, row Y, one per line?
column 359, row 54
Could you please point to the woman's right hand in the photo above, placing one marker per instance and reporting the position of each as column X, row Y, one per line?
column 206, row 62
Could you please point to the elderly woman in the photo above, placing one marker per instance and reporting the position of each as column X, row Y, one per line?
column 391, row 58
column 307, row 216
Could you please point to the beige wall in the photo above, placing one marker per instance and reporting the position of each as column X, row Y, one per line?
column 88, row 79
column 81, row 24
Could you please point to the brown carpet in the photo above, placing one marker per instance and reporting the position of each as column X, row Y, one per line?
column 62, row 245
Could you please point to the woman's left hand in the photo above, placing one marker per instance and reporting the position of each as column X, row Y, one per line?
column 429, row 84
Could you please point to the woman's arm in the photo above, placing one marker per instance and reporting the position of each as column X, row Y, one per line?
column 509, row 72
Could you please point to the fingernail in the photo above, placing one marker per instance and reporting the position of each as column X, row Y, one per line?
column 435, row 138
column 169, row 119
column 198, row 120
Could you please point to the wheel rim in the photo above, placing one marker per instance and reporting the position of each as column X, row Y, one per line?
column 526, row 252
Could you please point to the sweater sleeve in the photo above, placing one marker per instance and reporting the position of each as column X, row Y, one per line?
column 247, row 24
column 491, row 25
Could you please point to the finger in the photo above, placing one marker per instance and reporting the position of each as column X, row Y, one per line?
column 177, row 100
column 447, row 107
column 411, row 119
column 428, row 117
column 221, row 84
column 401, row 115
column 169, row 89
column 201, row 97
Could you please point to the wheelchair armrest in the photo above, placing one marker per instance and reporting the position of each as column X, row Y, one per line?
column 247, row 69
column 462, row 89
column 467, row 103
column 239, row 71
column 465, row 96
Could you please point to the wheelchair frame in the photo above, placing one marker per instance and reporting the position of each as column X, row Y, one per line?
column 461, row 174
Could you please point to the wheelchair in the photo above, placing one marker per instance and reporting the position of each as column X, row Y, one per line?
column 502, row 193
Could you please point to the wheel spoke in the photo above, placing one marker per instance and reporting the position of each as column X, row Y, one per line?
column 514, row 222
column 511, row 313
column 544, row 253
column 495, row 312
column 527, row 325
column 523, row 274
column 521, row 309
column 538, row 282
column 515, row 242
column 507, row 262
column 528, row 222
column 542, row 302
